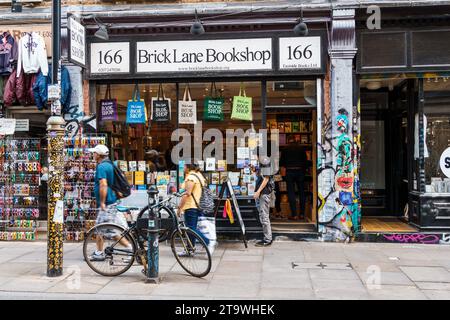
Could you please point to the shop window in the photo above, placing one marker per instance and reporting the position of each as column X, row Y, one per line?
column 204, row 92
column 137, row 142
column 437, row 118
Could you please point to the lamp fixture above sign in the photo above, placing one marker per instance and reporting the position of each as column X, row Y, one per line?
column 197, row 27
column 102, row 32
column 301, row 29
column 16, row 7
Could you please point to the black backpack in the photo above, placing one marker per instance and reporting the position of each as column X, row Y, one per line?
column 120, row 185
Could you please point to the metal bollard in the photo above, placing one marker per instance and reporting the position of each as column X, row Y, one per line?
column 153, row 238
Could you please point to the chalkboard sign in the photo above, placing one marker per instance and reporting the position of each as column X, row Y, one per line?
column 228, row 187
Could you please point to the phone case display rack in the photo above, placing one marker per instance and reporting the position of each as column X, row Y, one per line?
column 79, row 201
column 19, row 188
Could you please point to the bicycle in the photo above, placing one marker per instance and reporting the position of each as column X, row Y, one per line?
column 189, row 249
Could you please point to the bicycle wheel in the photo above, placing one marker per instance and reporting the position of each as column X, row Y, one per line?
column 191, row 252
column 116, row 258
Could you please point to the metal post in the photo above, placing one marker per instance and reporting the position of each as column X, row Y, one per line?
column 153, row 238
column 55, row 136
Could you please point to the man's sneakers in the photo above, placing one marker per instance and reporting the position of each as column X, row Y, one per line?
column 263, row 243
column 98, row 256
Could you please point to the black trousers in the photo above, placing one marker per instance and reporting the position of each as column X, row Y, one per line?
column 278, row 197
column 294, row 178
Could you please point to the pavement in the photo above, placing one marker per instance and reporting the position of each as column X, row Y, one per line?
column 286, row 270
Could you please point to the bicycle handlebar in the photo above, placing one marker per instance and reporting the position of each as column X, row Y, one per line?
column 170, row 197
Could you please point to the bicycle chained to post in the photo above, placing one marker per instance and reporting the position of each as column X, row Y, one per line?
column 123, row 246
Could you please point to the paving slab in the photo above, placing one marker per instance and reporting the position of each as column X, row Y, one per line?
column 277, row 293
column 128, row 287
column 180, row 289
column 391, row 292
column 333, row 274
column 85, row 285
column 437, row 294
column 427, row 274
column 339, row 289
column 385, row 278
column 233, row 267
column 226, row 289
column 300, row 280
column 442, row 286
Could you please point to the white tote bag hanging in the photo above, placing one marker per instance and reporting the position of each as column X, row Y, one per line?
column 187, row 109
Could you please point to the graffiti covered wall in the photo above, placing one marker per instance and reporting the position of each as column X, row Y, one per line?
column 338, row 152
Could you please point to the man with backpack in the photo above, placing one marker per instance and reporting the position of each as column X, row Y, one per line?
column 263, row 194
column 107, row 178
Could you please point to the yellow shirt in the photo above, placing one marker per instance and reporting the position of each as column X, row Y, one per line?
column 196, row 191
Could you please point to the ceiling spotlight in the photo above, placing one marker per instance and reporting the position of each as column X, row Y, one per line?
column 373, row 85
column 197, row 28
column 102, row 32
column 301, row 29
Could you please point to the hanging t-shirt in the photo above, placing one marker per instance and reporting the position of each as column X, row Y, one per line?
column 32, row 54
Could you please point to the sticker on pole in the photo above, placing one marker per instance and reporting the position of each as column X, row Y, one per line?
column 58, row 216
column 54, row 92
column 445, row 162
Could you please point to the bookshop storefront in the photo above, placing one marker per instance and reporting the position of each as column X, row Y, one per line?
column 165, row 102
column 405, row 127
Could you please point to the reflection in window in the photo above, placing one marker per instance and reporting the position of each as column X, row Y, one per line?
column 437, row 112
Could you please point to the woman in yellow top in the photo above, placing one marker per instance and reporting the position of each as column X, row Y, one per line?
column 193, row 183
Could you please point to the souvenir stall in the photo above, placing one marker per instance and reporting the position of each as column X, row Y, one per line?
column 79, row 173
column 24, row 76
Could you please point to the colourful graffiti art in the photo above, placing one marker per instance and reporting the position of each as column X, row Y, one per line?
column 339, row 187
column 344, row 159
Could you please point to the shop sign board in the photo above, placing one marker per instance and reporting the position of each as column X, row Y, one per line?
column 22, row 125
column 445, row 162
column 300, row 53
column 77, row 40
column 18, row 31
column 110, row 57
column 204, row 55
column 7, row 126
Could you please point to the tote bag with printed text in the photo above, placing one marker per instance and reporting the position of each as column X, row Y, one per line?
column 213, row 106
column 108, row 107
column 187, row 109
column 242, row 106
column 160, row 107
column 136, row 111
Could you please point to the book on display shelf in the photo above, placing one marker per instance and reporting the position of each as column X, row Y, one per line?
column 141, row 166
column 210, row 164
column 213, row 189
column 215, row 178
column 287, row 127
column 132, row 165
column 234, row 178
column 221, row 165
column 123, row 165
column 139, row 177
column 251, row 189
column 223, row 176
